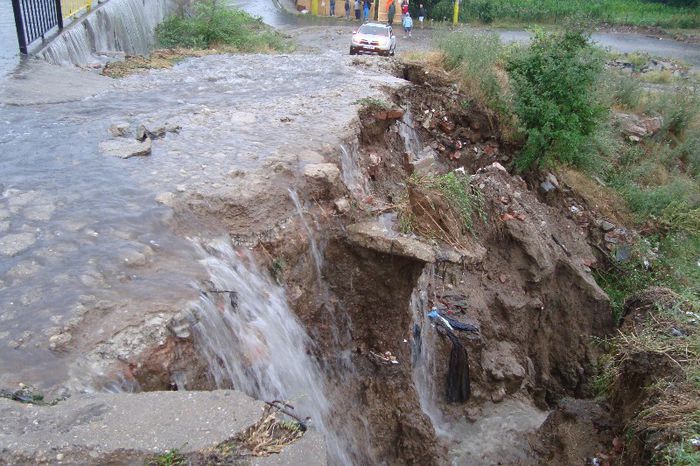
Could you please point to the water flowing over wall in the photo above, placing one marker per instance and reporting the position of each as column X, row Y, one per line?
column 253, row 342
column 117, row 26
column 423, row 353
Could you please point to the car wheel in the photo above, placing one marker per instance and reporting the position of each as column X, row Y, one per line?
column 353, row 51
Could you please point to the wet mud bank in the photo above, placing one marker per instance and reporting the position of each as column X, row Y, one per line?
column 519, row 278
column 318, row 268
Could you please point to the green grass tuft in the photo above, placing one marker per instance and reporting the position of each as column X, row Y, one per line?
column 211, row 23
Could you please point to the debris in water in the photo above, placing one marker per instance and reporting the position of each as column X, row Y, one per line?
column 458, row 384
column 386, row 358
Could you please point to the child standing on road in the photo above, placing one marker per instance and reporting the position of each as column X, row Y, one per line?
column 421, row 15
column 347, row 9
column 407, row 24
column 357, row 9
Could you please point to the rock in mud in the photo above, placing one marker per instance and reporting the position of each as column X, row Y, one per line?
column 427, row 165
column 501, row 364
column 166, row 198
column 59, row 342
column 135, row 428
column 342, row 205
column 323, row 177
column 13, row 244
column 125, row 148
column 549, row 184
column 155, row 130
column 575, row 431
column 374, row 236
column 637, row 127
column 119, row 129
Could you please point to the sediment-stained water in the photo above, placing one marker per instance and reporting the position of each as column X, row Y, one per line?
column 85, row 234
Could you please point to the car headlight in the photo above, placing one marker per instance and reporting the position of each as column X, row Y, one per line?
column 356, row 40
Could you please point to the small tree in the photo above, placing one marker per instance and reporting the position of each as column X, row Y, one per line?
column 553, row 83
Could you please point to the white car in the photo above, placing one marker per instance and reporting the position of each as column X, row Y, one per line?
column 373, row 38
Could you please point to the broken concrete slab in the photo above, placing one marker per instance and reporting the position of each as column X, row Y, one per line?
column 374, row 236
column 327, row 174
column 129, row 428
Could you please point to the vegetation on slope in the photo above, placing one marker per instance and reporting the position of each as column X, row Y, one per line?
column 666, row 14
column 208, row 27
column 213, row 24
column 560, row 103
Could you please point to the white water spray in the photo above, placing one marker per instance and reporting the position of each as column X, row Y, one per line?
column 351, row 171
column 253, row 342
column 408, row 133
column 315, row 252
column 423, row 352
column 118, row 26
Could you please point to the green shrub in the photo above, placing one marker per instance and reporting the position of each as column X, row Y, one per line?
column 553, row 83
column 211, row 23
column 483, row 11
column 441, row 11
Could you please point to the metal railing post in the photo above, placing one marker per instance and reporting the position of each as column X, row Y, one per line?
column 21, row 37
column 59, row 15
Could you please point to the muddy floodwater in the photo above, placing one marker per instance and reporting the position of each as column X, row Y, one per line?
column 112, row 260
column 81, row 228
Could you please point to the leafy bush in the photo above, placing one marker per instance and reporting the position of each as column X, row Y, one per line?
column 553, row 84
column 483, row 11
column 212, row 24
column 441, row 11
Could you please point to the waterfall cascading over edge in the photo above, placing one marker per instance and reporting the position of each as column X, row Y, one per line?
column 424, row 339
column 253, row 342
column 117, row 26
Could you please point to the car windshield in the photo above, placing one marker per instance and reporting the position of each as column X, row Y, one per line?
column 374, row 30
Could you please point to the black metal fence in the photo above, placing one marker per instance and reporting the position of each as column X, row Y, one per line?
column 34, row 18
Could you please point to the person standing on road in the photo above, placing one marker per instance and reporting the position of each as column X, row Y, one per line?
column 404, row 7
column 332, row 8
column 367, row 5
column 347, row 9
column 421, row 15
column 390, row 12
column 357, row 9
column 407, row 24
